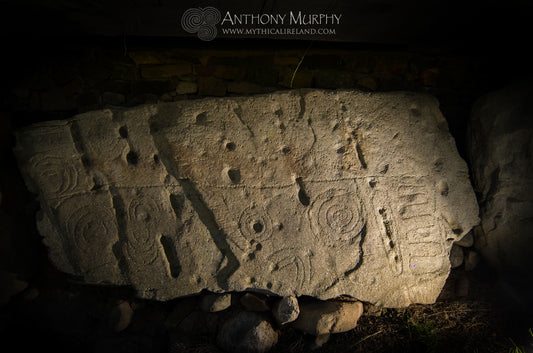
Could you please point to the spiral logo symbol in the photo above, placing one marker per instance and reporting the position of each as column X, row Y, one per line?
column 201, row 21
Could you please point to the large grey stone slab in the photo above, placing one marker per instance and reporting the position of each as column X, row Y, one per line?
column 501, row 151
column 320, row 193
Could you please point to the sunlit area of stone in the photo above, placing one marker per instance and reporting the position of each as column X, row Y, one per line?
column 310, row 192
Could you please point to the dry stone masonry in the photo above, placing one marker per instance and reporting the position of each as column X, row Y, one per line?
column 319, row 193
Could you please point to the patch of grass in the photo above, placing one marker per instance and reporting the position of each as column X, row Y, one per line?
column 300, row 63
column 515, row 348
column 422, row 334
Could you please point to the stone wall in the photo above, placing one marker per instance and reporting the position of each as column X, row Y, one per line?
column 69, row 80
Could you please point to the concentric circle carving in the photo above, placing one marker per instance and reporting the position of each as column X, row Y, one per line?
column 92, row 227
column 291, row 267
column 255, row 224
column 337, row 213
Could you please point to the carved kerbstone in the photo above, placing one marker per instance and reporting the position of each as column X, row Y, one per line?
column 320, row 193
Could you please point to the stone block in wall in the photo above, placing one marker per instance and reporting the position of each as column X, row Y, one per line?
column 332, row 78
column 305, row 192
column 298, row 78
column 246, row 88
column 166, row 71
column 144, row 57
column 263, row 75
column 211, row 86
column 184, row 87
column 156, row 87
column 322, row 61
column 229, row 72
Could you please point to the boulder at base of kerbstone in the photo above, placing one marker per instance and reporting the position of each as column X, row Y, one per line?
column 501, row 154
column 247, row 332
column 326, row 317
column 215, row 302
column 310, row 192
column 286, row 310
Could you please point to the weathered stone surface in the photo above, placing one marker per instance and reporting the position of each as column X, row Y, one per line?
column 456, row 256
column 323, row 318
column 286, row 310
column 318, row 193
column 467, row 241
column 213, row 303
column 120, row 316
column 501, row 153
column 471, row 260
column 247, row 332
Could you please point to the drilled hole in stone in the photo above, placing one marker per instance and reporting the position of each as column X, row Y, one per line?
column 258, row 227
column 285, row 150
column 251, row 256
column 132, row 157
column 372, row 183
column 269, row 285
column 340, row 150
column 201, row 119
column 156, row 158
column 230, row 146
column 303, row 197
column 234, row 175
column 123, row 132
column 258, row 247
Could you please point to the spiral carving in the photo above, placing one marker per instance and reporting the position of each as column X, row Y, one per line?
column 201, row 21
column 92, row 227
column 338, row 213
column 54, row 175
column 141, row 246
